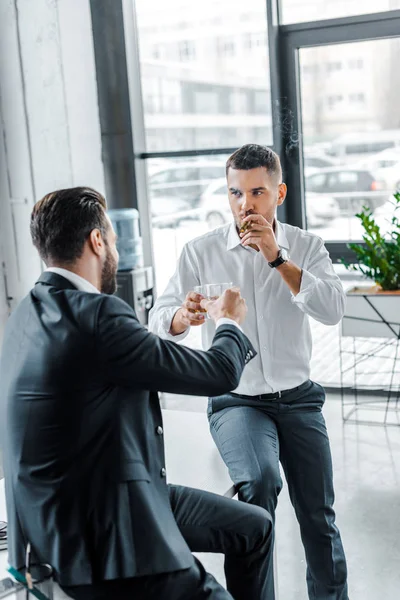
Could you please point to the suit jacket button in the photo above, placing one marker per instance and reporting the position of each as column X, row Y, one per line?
column 159, row 430
column 163, row 472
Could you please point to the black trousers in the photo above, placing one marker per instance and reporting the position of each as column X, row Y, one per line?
column 209, row 523
column 253, row 436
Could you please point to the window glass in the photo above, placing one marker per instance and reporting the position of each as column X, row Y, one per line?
column 316, row 182
column 298, row 11
column 350, row 113
column 205, row 74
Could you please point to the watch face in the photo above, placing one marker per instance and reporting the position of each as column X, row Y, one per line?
column 284, row 254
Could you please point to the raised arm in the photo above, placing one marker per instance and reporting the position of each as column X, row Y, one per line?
column 133, row 357
column 170, row 302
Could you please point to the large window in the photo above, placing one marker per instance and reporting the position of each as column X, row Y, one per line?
column 351, row 132
column 297, row 11
column 205, row 74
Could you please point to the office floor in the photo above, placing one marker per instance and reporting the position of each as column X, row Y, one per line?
column 367, row 483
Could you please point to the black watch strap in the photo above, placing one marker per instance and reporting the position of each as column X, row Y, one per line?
column 278, row 261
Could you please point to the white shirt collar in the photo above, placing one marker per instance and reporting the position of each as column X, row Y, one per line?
column 234, row 240
column 83, row 285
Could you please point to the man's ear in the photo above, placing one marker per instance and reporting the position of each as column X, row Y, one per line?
column 282, row 193
column 96, row 242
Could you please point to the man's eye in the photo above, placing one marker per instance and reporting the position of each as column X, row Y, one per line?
column 236, row 193
column 257, row 193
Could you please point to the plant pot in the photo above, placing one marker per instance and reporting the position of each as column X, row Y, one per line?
column 372, row 312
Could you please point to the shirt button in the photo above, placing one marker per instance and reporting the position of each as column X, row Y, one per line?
column 163, row 472
column 159, row 430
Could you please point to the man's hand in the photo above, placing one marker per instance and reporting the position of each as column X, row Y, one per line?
column 190, row 315
column 260, row 234
column 230, row 305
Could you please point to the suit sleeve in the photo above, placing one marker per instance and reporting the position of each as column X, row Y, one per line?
column 133, row 357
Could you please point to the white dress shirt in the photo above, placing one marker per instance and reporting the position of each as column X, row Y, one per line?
column 83, row 285
column 277, row 321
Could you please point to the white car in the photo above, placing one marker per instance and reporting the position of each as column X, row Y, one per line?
column 386, row 167
column 313, row 161
column 186, row 180
column 168, row 211
column 214, row 207
column 320, row 209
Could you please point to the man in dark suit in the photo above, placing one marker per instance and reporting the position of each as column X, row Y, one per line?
column 82, row 429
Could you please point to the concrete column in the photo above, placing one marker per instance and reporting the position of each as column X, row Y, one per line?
column 49, row 116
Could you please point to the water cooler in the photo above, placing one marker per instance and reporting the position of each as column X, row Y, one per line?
column 134, row 281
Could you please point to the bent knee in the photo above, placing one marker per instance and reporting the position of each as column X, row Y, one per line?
column 260, row 523
column 262, row 488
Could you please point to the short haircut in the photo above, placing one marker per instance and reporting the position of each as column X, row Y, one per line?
column 253, row 156
column 62, row 221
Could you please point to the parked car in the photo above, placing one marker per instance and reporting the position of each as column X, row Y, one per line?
column 385, row 166
column 352, row 188
column 313, row 161
column 168, row 211
column 187, row 180
column 356, row 146
column 215, row 210
column 320, row 209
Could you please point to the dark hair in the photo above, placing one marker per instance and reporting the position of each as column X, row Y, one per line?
column 62, row 221
column 253, row 156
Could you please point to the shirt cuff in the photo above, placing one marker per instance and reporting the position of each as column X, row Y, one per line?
column 225, row 321
column 307, row 287
column 168, row 316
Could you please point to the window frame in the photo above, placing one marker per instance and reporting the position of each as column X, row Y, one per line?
column 284, row 44
column 290, row 39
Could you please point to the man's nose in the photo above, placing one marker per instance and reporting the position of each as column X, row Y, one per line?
column 247, row 204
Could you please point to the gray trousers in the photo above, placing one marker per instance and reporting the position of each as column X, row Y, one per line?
column 253, row 436
column 208, row 523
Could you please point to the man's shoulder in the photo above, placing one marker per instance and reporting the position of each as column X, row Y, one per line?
column 94, row 310
column 297, row 236
column 82, row 304
column 112, row 305
column 211, row 239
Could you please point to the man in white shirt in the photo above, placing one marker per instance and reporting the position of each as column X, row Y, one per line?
column 285, row 275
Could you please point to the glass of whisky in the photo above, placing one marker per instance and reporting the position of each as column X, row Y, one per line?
column 212, row 291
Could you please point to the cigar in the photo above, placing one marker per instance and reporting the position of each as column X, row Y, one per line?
column 245, row 226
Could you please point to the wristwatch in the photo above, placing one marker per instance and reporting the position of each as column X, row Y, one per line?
column 282, row 258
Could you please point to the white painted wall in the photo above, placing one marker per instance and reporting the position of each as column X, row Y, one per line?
column 49, row 121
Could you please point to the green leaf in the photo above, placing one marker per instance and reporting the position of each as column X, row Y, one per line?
column 380, row 258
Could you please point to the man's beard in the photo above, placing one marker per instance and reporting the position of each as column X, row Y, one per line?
column 109, row 274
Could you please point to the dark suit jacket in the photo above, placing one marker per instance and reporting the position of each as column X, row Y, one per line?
column 82, row 431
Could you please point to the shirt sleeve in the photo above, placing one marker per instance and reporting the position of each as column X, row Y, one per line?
column 166, row 305
column 321, row 293
column 225, row 321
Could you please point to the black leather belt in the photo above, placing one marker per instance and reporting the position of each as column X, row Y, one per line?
column 274, row 395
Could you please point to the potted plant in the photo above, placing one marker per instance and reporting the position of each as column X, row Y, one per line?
column 374, row 311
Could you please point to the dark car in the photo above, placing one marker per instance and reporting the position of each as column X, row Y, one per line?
column 352, row 188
